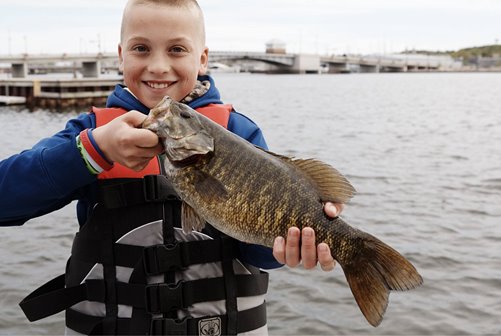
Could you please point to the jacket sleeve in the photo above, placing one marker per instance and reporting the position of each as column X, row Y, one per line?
column 247, row 129
column 44, row 178
column 256, row 255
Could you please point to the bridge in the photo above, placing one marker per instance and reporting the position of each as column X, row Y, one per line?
column 93, row 65
column 90, row 65
column 347, row 63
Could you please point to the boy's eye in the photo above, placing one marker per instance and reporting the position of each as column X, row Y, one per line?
column 177, row 49
column 140, row 48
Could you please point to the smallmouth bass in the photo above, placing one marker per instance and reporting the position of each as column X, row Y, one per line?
column 254, row 196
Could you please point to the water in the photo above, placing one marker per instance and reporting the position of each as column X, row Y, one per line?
column 422, row 151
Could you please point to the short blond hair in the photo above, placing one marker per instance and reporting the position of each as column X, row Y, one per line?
column 171, row 3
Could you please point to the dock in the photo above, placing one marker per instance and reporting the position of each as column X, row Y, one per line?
column 12, row 100
column 57, row 93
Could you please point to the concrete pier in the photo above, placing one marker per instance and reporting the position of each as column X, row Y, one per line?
column 59, row 93
column 12, row 100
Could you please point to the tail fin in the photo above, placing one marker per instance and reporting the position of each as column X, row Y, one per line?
column 377, row 269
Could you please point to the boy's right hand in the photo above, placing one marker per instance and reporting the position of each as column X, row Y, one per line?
column 122, row 141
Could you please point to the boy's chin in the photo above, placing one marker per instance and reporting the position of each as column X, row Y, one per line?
column 151, row 102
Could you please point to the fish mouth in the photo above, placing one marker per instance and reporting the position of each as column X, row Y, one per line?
column 182, row 136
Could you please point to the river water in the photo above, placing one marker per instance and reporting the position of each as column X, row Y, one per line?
column 421, row 149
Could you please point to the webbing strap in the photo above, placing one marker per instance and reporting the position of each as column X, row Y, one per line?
column 151, row 188
column 249, row 319
column 230, row 287
column 157, row 258
column 163, row 298
column 50, row 298
column 53, row 297
column 96, row 325
column 164, row 258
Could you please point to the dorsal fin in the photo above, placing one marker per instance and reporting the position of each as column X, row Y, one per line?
column 330, row 183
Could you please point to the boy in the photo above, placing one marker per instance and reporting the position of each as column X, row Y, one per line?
column 132, row 270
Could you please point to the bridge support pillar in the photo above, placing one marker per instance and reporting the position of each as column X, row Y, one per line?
column 369, row 68
column 306, row 64
column 339, row 68
column 19, row 70
column 91, row 69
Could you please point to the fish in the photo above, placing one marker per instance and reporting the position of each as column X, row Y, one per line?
column 255, row 195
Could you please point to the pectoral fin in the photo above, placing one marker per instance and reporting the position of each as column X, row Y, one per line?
column 210, row 188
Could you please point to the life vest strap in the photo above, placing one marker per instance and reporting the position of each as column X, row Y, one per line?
column 50, row 298
column 162, row 298
column 54, row 297
column 124, row 255
column 157, row 259
column 230, row 288
column 97, row 325
column 248, row 320
column 164, row 258
column 130, row 192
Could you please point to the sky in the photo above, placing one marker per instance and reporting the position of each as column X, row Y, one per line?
column 305, row 26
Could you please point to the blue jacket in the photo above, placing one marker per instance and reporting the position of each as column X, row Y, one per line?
column 52, row 174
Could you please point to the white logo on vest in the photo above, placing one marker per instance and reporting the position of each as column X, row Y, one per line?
column 210, row 327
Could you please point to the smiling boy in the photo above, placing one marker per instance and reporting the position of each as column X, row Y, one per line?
column 132, row 269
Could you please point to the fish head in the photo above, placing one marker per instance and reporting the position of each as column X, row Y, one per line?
column 180, row 129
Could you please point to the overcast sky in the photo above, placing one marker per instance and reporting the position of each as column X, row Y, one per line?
column 308, row 26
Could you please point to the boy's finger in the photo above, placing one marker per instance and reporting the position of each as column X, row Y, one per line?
column 308, row 248
column 333, row 209
column 325, row 259
column 292, row 248
column 279, row 249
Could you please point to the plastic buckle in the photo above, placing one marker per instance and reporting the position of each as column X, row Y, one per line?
column 164, row 326
column 163, row 298
column 162, row 258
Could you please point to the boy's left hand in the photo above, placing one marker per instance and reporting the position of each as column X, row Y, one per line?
column 300, row 246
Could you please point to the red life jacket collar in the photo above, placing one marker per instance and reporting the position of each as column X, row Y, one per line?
column 219, row 113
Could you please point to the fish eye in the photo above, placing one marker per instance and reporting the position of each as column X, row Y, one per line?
column 185, row 114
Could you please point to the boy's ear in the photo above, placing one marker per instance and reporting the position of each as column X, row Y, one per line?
column 120, row 58
column 204, row 62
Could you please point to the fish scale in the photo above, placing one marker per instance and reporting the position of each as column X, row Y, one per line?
column 254, row 196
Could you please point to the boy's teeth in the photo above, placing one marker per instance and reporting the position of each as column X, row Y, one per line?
column 158, row 85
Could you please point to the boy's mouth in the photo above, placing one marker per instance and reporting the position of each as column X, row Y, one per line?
column 158, row 85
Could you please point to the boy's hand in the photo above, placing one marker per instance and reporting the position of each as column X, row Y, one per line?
column 121, row 141
column 296, row 249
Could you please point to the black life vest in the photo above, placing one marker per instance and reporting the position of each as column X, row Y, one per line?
column 133, row 271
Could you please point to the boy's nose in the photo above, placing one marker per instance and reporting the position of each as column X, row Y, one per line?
column 159, row 63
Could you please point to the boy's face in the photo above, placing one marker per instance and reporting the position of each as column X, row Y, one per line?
column 162, row 51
